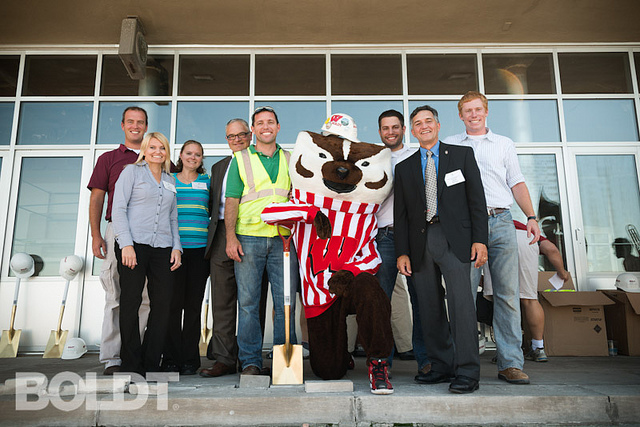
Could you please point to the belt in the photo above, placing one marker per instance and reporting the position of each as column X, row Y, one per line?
column 388, row 228
column 496, row 211
column 434, row 220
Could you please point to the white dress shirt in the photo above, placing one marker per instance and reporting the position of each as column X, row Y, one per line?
column 498, row 163
column 385, row 213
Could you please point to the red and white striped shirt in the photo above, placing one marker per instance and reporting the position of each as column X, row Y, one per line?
column 352, row 245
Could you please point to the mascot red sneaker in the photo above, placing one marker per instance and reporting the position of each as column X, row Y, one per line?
column 338, row 185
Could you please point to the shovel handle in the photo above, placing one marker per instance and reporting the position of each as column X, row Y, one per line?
column 16, row 291
column 64, row 295
column 60, row 318
column 13, row 317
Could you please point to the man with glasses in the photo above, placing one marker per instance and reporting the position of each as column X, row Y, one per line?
column 258, row 176
column 223, row 347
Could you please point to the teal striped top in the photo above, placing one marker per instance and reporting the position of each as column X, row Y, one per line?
column 193, row 211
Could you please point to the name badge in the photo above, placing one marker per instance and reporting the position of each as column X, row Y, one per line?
column 453, row 178
column 169, row 186
column 199, row 185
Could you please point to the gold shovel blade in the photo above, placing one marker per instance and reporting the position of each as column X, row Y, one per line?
column 9, row 343
column 205, row 337
column 55, row 345
column 287, row 370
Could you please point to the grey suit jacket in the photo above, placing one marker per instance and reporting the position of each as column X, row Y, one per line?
column 217, row 177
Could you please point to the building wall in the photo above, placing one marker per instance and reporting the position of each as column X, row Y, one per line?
column 572, row 111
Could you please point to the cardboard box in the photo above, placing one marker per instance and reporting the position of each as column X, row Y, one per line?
column 623, row 321
column 574, row 321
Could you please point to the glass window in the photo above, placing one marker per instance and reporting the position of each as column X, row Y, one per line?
column 205, row 121
column 209, row 161
column 297, row 116
column 636, row 59
column 47, row 209
column 365, row 114
column 366, row 75
column 6, row 122
column 450, row 123
column 541, row 175
column 600, row 120
column 110, row 119
column 55, row 123
column 290, row 75
column 9, row 75
column 525, row 120
column 59, row 75
column 610, row 204
column 518, row 73
column 441, row 74
column 116, row 81
column 595, row 72
column 214, row 75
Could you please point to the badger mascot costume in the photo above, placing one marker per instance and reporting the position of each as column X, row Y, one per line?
column 338, row 185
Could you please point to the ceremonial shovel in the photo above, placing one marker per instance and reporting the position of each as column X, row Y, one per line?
column 58, row 337
column 11, row 338
column 205, row 334
column 287, row 358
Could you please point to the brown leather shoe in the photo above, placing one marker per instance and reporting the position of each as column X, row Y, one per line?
column 217, row 370
column 425, row 369
column 251, row 370
column 513, row 376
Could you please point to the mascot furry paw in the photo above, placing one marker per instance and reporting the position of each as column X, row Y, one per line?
column 338, row 185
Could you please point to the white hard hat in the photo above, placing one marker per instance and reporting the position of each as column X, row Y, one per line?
column 341, row 125
column 74, row 348
column 22, row 265
column 627, row 282
column 70, row 266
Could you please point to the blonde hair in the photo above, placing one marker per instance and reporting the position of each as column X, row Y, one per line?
column 470, row 96
column 166, row 166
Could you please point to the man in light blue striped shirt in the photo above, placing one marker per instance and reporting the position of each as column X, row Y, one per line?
column 503, row 182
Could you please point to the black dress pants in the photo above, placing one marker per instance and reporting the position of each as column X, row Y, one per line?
column 183, row 330
column 153, row 265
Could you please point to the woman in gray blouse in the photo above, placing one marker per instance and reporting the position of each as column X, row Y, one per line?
column 145, row 222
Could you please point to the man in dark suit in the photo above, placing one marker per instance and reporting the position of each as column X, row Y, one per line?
column 223, row 347
column 438, row 236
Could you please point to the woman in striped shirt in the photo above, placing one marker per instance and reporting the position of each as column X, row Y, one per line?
column 183, row 334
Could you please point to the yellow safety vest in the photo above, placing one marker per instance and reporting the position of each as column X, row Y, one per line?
column 258, row 192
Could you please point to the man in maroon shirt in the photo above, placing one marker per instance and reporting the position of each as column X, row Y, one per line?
column 103, row 181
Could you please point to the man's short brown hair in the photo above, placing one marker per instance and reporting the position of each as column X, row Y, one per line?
column 470, row 96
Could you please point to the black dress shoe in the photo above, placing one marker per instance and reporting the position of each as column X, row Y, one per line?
column 432, row 377
column 188, row 370
column 463, row 385
column 406, row 355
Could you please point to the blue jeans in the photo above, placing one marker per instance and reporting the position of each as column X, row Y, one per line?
column 261, row 253
column 387, row 276
column 503, row 265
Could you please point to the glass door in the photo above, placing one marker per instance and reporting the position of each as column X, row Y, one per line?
column 605, row 206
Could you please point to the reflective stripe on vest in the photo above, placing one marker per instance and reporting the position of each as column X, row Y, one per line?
column 258, row 192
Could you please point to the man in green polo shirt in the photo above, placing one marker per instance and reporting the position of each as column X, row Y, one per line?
column 258, row 176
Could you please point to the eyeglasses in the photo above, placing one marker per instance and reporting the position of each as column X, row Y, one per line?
column 241, row 135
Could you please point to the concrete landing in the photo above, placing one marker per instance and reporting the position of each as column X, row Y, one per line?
column 566, row 390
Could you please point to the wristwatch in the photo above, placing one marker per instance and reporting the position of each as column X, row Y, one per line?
column 532, row 217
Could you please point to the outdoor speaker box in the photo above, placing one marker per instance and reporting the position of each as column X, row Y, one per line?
column 133, row 48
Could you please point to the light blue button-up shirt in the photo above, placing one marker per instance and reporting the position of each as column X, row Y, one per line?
column 145, row 211
column 436, row 158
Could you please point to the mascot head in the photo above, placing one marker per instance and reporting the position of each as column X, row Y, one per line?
column 341, row 168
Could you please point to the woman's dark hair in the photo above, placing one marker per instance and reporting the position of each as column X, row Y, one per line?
column 179, row 163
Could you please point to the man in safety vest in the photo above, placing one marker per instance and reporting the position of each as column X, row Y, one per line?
column 258, row 176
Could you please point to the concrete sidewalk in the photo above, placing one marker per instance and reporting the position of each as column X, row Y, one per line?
column 566, row 390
